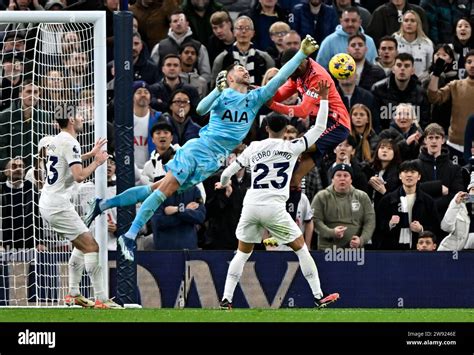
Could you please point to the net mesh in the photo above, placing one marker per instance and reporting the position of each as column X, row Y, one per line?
column 47, row 72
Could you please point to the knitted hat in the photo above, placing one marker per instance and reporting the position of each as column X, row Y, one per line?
column 140, row 84
column 342, row 167
column 471, row 184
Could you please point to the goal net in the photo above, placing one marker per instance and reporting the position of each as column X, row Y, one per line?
column 52, row 65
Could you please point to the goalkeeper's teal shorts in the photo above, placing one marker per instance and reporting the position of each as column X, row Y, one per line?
column 194, row 163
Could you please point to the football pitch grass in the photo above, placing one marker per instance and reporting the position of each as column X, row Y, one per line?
column 238, row 315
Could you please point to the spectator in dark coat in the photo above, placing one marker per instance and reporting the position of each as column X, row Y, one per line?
column 383, row 171
column 345, row 154
column 263, row 15
column 351, row 95
column 180, row 118
column 401, row 86
column 442, row 15
column 199, row 15
column 405, row 131
column 370, row 73
column 386, row 18
column 405, row 213
column 171, row 81
column 174, row 223
column 224, row 207
column 440, row 178
column 306, row 22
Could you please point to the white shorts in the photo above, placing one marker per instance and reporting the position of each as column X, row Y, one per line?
column 255, row 218
column 66, row 223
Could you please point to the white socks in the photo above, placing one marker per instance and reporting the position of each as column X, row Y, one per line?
column 310, row 271
column 76, row 268
column 94, row 270
column 236, row 267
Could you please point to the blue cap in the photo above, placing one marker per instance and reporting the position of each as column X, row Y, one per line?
column 140, row 84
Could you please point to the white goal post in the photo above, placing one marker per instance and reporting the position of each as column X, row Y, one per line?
column 21, row 271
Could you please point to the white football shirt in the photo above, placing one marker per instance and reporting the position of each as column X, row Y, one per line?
column 63, row 152
column 271, row 163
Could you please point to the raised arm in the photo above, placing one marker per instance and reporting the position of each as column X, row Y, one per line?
column 308, row 46
column 206, row 103
column 315, row 132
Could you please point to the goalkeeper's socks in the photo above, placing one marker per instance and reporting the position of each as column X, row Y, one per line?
column 309, row 270
column 293, row 201
column 147, row 209
column 129, row 197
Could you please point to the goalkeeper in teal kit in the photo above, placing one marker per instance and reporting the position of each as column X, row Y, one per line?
column 233, row 110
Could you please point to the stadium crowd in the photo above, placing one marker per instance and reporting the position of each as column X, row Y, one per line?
column 396, row 183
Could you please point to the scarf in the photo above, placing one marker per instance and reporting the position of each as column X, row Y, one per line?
column 246, row 60
column 405, row 232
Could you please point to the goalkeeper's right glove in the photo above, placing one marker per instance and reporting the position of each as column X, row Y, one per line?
column 221, row 80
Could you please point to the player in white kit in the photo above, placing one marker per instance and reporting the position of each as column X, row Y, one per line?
column 64, row 167
column 271, row 162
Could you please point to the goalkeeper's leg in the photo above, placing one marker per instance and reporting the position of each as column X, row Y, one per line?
column 129, row 197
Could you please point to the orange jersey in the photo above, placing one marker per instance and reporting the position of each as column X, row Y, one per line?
column 310, row 105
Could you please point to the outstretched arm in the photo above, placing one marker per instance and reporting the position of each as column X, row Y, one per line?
column 301, row 110
column 205, row 104
column 308, row 46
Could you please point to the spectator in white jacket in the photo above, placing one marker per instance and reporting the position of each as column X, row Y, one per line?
column 457, row 221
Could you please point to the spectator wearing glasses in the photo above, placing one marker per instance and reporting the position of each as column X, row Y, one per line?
column 277, row 32
column 244, row 53
column 179, row 117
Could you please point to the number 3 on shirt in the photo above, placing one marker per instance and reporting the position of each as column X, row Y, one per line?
column 52, row 172
column 265, row 169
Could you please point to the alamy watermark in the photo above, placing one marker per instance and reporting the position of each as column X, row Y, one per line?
column 356, row 255
column 389, row 111
column 37, row 338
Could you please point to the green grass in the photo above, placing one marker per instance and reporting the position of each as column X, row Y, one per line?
column 238, row 315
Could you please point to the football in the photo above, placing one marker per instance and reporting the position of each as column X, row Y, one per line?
column 342, row 66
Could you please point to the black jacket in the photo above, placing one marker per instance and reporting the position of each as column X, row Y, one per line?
column 437, row 172
column 387, row 96
column 423, row 211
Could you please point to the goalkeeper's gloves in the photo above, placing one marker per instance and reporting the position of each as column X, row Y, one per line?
column 309, row 45
column 221, row 80
column 439, row 67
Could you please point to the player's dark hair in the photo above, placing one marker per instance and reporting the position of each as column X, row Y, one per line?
column 287, row 55
column 277, row 122
column 62, row 122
